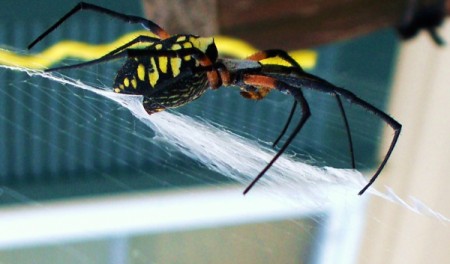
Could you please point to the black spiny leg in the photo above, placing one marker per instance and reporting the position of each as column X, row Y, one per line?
column 132, row 53
column 154, row 28
column 286, row 125
column 377, row 112
column 273, row 53
column 138, row 39
column 297, row 69
column 271, row 83
column 320, row 85
column 347, row 128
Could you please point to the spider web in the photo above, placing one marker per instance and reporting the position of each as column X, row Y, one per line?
column 237, row 157
column 184, row 144
column 300, row 181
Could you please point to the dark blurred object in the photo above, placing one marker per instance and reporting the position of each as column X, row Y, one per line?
column 288, row 24
column 418, row 17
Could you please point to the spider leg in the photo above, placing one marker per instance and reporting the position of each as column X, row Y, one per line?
column 225, row 76
column 310, row 81
column 287, row 72
column 347, row 128
column 151, row 26
column 385, row 117
column 286, row 125
column 272, row 53
column 267, row 54
column 121, row 54
column 212, row 73
column 137, row 53
column 297, row 69
column 138, row 39
column 272, row 83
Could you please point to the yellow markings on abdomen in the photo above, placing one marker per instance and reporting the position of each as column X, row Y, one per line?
column 162, row 60
column 181, row 38
column 175, row 64
column 141, row 72
column 134, row 83
column 176, row 47
column 154, row 75
column 187, row 45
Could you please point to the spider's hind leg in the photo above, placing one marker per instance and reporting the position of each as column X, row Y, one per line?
column 298, row 70
column 325, row 87
column 272, row 83
column 295, row 68
column 397, row 127
column 347, row 128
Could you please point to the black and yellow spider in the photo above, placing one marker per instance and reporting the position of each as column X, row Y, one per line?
column 173, row 70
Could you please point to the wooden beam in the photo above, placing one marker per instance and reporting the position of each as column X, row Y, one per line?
column 295, row 24
column 287, row 24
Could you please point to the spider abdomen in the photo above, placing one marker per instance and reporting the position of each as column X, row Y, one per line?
column 165, row 82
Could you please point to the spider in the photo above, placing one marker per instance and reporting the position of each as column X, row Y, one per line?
column 173, row 70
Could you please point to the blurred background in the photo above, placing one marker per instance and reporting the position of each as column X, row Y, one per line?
column 82, row 181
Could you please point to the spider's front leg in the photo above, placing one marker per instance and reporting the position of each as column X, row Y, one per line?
column 81, row 6
column 138, row 39
column 214, row 77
